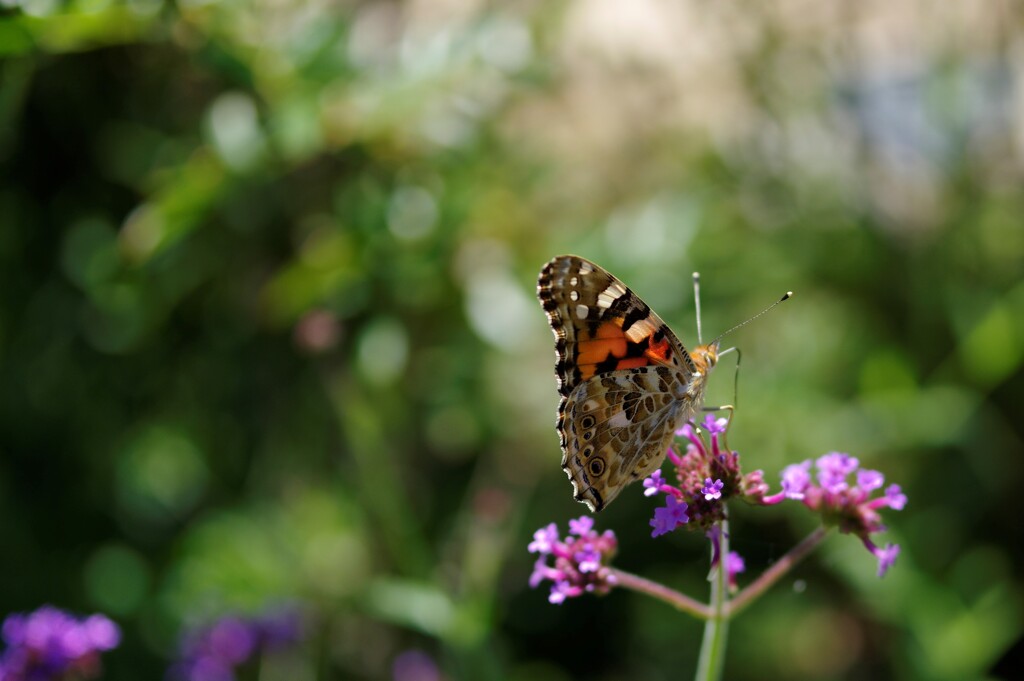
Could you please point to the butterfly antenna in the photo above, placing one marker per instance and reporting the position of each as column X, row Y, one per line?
column 696, row 299
column 789, row 294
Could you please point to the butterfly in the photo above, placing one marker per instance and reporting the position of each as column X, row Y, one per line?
column 627, row 383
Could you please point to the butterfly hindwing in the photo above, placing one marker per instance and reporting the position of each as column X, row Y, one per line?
column 617, row 428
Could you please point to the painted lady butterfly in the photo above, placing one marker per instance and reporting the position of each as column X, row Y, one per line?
column 626, row 381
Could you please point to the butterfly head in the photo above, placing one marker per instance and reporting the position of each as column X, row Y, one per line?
column 705, row 357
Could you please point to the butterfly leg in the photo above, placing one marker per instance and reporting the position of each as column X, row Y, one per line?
column 731, row 408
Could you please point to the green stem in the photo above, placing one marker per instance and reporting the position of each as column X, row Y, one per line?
column 712, row 649
column 775, row 572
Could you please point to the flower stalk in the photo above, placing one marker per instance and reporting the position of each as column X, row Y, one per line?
column 707, row 475
column 716, row 628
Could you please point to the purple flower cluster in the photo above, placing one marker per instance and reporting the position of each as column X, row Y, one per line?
column 50, row 644
column 853, row 508
column 707, row 474
column 213, row 652
column 580, row 564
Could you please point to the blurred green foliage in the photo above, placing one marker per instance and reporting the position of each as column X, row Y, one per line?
column 267, row 328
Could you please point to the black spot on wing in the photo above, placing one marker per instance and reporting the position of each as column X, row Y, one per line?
column 634, row 314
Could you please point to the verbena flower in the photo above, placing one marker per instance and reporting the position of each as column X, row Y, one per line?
column 213, row 652
column 414, row 665
column 50, row 644
column 707, row 475
column 843, row 494
column 734, row 565
column 580, row 560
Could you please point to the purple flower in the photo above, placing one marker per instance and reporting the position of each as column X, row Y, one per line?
column 544, row 539
column 796, row 479
column 733, row 566
column 833, row 468
column 869, row 480
column 51, row 644
column 669, row 517
column 588, row 558
column 415, row 665
column 653, row 484
column 581, row 526
column 580, row 561
column 706, row 475
column 886, row 556
column 715, row 426
column 895, row 497
column 686, row 431
column 851, row 508
column 214, row 651
column 712, row 490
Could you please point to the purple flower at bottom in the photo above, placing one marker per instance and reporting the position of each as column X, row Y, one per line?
column 214, row 651
column 669, row 517
column 733, row 566
column 580, row 561
column 232, row 639
column 588, row 559
column 886, row 556
column 415, row 665
column 544, row 539
column 581, row 525
column 51, row 644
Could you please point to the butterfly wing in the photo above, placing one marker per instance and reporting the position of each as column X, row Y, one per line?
column 600, row 325
column 606, row 337
column 617, row 427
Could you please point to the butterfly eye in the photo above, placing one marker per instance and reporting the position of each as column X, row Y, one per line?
column 587, row 451
column 596, row 467
column 587, row 421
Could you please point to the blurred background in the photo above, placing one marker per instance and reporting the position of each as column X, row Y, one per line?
column 268, row 331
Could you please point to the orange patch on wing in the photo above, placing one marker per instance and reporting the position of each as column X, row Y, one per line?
column 659, row 352
column 632, row 363
column 608, row 342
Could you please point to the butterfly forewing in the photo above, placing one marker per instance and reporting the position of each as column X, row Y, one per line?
column 600, row 325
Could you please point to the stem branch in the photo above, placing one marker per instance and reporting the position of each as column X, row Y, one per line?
column 775, row 572
column 677, row 600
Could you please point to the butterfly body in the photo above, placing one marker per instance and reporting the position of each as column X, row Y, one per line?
column 627, row 383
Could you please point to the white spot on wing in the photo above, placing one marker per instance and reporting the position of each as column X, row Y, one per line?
column 574, row 296
column 620, row 420
column 640, row 330
column 610, row 295
column 585, row 268
column 582, row 311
